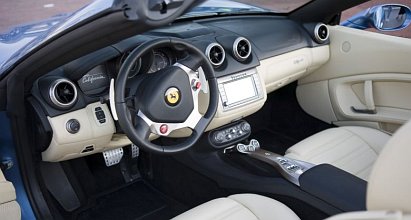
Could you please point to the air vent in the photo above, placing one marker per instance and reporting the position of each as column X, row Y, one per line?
column 321, row 33
column 88, row 149
column 241, row 49
column 63, row 93
column 216, row 54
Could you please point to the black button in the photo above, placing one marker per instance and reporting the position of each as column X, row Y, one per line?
column 102, row 121
column 73, row 126
column 100, row 115
column 98, row 109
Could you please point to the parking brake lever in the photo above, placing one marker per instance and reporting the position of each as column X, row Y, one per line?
column 290, row 169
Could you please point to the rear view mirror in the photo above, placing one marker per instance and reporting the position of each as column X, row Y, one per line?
column 389, row 17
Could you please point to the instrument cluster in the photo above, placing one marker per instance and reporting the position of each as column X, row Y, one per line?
column 151, row 62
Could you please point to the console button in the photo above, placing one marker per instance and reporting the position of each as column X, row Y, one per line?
column 100, row 115
column 283, row 161
column 245, row 127
column 232, row 131
column 219, row 136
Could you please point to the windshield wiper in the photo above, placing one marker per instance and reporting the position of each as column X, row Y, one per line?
column 223, row 11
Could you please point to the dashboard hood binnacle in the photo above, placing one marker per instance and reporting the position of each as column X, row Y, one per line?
column 21, row 40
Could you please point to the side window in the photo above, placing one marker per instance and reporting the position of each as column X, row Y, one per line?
column 349, row 13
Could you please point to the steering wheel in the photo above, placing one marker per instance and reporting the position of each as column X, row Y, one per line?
column 166, row 100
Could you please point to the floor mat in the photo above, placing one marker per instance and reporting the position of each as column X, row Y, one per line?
column 138, row 201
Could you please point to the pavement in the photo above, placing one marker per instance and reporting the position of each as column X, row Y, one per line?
column 14, row 12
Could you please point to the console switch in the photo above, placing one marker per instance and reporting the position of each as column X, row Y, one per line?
column 229, row 134
column 101, row 117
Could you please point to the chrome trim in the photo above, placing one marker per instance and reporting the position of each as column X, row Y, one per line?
column 235, row 51
column 290, row 169
column 112, row 101
column 53, row 97
column 316, row 34
column 207, row 52
column 192, row 119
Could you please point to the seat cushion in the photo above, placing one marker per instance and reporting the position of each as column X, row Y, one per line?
column 240, row 207
column 353, row 149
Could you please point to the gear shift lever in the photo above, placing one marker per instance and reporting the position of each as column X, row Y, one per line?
column 291, row 169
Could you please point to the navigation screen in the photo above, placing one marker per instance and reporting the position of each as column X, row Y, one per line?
column 239, row 90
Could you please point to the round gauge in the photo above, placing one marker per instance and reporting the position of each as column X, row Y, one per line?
column 160, row 61
column 135, row 69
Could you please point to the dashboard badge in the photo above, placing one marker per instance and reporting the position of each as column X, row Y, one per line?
column 172, row 96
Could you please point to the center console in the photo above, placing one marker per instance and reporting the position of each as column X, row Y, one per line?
column 326, row 182
column 289, row 168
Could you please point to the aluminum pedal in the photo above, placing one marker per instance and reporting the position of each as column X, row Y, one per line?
column 135, row 151
column 113, row 157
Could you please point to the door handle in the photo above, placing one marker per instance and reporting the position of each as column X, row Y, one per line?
column 369, row 100
column 364, row 111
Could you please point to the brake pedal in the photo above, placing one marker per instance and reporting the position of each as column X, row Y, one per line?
column 113, row 157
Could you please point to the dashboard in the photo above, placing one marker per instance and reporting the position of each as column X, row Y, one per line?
column 249, row 60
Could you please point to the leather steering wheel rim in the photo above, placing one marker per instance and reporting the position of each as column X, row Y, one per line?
column 139, row 133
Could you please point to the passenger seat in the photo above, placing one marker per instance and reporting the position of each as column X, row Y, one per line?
column 353, row 149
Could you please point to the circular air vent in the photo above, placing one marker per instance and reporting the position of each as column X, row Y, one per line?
column 241, row 49
column 216, row 54
column 63, row 93
column 321, row 33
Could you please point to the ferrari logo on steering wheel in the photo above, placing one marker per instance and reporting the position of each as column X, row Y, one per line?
column 172, row 96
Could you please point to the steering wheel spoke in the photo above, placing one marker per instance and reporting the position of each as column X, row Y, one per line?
column 164, row 129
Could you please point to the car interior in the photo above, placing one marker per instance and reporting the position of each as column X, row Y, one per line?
column 251, row 116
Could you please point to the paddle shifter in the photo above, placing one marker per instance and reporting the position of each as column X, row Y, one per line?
column 291, row 169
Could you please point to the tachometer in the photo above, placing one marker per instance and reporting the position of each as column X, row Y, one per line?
column 160, row 61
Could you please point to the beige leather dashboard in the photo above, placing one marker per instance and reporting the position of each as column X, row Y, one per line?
column 92, row 134
column 273, row 73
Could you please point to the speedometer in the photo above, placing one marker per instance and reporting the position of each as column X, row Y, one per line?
column 160, row 61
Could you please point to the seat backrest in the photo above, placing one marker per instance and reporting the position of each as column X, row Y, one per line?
column 389, row 185
column 9, row 208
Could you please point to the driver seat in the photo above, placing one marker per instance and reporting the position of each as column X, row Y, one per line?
column 388, row 192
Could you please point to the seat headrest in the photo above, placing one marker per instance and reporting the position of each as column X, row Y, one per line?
column 389, row 185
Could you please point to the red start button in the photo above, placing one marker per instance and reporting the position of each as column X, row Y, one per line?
column 163, row 128
column 198, row 85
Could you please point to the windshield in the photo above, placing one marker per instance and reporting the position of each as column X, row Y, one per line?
column 25, row 24
column 19, row 12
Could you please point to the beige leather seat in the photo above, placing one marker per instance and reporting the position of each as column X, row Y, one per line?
column 388, row 192
column 353, row 149
column 238, row 207
column 9, row 208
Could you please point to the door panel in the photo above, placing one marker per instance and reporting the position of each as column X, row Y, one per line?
column 9, row 208
column 367, row 81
